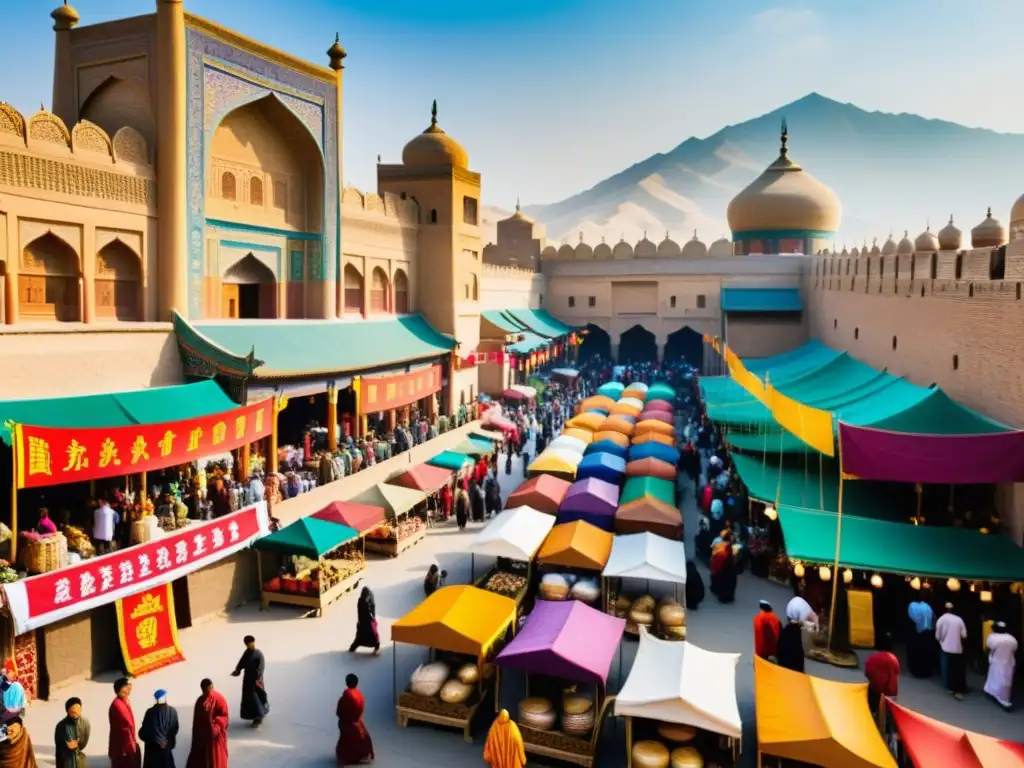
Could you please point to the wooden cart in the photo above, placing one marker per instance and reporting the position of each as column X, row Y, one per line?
column 395, row 547
column 561, row 746
column 436, row 712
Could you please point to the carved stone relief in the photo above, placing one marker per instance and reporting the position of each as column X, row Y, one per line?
column 63, row 177
column 130, row 146
column 48, row 128
column 133, row 240
column 88, row 137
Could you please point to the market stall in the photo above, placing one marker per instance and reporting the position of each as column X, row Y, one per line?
column 592, row 500
column 652, row 467
column 519, row 394
column 660, row 390
column 648, row 486
column 608, row 467
column 561, row 647
column 627, row 407
column 558, row 462
column 655, row 425
column 567, row 376
column 496, row 420
column 614, row 437
column 453, row 461
column 619, row 424
column 682, row 701
column 612, row 389
column 361, row 517
column 314, row 562
column 590, row 420
column 486, row 434
column 423, row 477
column 666, row 453
column 647, row 557
column 571, row 560
column 654, row 437
column 512, row 538
column 925, row 742
column 815, row 721
column 659, row 405
column 635, row 389
column 596, row 403
column 400, row 530
column 649, row 515
column 568, row 443
column 474, row 448
column 543, row 493
column 464, row 628
column 608, row 446
column 579, row 433
column 665, row 417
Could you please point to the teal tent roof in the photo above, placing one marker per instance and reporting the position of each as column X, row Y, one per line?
column 612, row 389
column 761, row 300
column 554, row 322
column 531, row 342
column 452, row 460
column 308, row 536
column 660, row 390
column 652, row 487
column 282, row 348
column 540, row 322
column 118, row 409
column 913, row 550
column 500, row 319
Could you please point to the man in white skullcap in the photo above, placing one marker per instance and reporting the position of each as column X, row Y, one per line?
column 1002, row 659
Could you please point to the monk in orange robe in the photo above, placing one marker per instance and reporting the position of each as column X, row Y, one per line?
column 209, row 730
column 504, row 746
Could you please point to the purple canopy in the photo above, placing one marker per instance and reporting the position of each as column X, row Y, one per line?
column 566, row 639
column 591, row 500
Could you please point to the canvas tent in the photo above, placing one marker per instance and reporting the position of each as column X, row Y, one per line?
column 515, row 534
column 543, row 493
column 647, row 556
column 395, row 499
column 576, row 545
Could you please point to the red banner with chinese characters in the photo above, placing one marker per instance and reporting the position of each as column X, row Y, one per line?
column 40, row 600
column 148, row 631
column 382, row 393
column 55, row 455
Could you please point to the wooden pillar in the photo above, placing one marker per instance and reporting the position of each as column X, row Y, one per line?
column 244, row 456
column 280, row 403
column 332, row 418
column 358, row 419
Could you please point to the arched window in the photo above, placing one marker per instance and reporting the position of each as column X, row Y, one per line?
column 353, row 289
column 118, row 283
column 379, row 290
column 475, row 286
column 401, row 292
column 48, row 283
column 256, row 191
column 227, row 185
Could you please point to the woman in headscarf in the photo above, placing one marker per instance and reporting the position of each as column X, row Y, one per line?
column 694, row 587
column 790, row 652
column 354, row 742
column 45, row 526
column 504, row 747
column 366, row 624
column 477, row 502
column 723, row 569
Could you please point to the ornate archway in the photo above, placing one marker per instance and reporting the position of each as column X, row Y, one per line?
column 118, row 283
column 401, row 292
column 685, row 344
column 380, row 291
column 596, row 342
column 249, row 290
column 353, row 290
column 638, row 345
column 48, row 281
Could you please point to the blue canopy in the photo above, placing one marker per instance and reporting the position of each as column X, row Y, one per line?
column 603, row 466
column 654, row 450
column 612, row 389
column 606, row 446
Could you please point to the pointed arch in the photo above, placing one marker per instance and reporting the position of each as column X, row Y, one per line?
column 118, row 283
column 380, row 291
column 353, row 289
column 249, row 271
column 474, row 287
column 401, row 292
column 638, row 345
column 48, row 281
column 117, row 102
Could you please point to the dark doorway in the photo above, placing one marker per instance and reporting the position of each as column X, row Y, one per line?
column 685, row 344
column 182, row 606
column 596, row 342
column 249, row 301
column 638, row 345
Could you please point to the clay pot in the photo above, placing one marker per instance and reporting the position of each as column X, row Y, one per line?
column 577, row 715
column 468, row 674
column 680, row 734
column 641, row 617
column 537, row 713
column 644, row 603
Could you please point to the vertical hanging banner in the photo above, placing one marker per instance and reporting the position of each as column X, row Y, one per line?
column 148, row 630
column 812, row 425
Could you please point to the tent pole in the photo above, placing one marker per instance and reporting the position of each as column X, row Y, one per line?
column 803, row 491
column 629, row 741
column 839, row 535
column 394, row 674
column 821, row 486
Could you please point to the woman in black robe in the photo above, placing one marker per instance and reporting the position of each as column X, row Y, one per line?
column 477, row 502
column 790, row 653
column 366, row 624
column 461, row 508
column 255, row 704
column 694, row 587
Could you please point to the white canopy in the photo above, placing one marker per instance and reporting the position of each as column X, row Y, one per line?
column 569, row 372
column 679, row 682
column 647, row 556
column 568, row 443
column 635, row 402
column 516, row 534
column 524, row 390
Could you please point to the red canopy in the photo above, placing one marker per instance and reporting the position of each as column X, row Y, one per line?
column 362, row 517
column 658, row 405
column 423, row 477
column 931, row 743
column 652, row 467
column 514, row 394
column 494, row 420
column 543, row 492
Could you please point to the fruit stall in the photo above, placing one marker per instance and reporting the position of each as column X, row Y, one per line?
column 649, row 558
column 566, row 650
column 404, row 523
column 680, row 700
column 310, row 564
column 463, row 629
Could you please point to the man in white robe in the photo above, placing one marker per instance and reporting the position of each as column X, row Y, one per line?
column 1002, row 658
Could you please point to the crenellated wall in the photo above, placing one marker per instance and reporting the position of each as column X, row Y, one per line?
column 510, row 288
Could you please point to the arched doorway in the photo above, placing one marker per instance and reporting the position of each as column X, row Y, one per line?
column 685, row 344
column 380, row 291
column 118, row 284
column 353, row 290
column 596, row 342
column 249, row 290
column 401, row 292
column 48, row 282
column 638, row 345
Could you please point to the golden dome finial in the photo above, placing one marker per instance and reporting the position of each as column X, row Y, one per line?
column 517, row 196
column 784, row 139
column 336, row 54
column 433, row 114
column 64, row 18
column 988, row 215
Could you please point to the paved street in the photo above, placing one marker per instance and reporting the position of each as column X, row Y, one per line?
column 307, row 662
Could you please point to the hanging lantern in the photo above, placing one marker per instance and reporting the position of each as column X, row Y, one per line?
column 825, row 573
column 915, row 583
column 876, row 581
column 847, row 576
column 973, row 587
column 953, row 585
column 985, row 596
column 798, row 570
column 771, row 513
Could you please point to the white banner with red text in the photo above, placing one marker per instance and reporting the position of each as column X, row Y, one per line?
column 40, row 600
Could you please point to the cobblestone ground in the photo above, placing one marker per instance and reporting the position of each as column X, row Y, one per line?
column 307, row 661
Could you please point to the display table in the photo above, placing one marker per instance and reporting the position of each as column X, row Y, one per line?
column 313, row 600
column 436, row 712
column 561, row 746
column 395, row 547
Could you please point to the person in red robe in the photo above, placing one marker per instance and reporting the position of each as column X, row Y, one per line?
column 354, row 742
column 209, row 730
column 446, row 501
column 123, row 748
column 766, row 631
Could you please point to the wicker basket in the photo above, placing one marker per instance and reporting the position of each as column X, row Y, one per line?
column 46, row 554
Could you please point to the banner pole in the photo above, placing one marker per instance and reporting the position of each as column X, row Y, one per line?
column 835, row 564
column 16, row 438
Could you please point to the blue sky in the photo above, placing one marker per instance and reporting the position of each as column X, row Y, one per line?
column 551, row 97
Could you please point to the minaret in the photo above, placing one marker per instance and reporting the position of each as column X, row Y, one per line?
column 65, row 18
column 334, row 295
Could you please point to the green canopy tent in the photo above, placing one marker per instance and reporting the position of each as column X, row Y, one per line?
column 395, row 499
column 471, row 447
column 309, row 536
column 650, row 487
column 453, row 460
column 660, row 390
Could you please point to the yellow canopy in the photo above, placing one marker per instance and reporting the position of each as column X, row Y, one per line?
column 625, row 409
column 576, row 545
column 602, row 402
column 580, row 434
column 816, row 721
column 655, row 437
column 653, row 425
column 590, row 420
column 618, row 424
column 459, row 619
column 556, row 462
column 615, row 437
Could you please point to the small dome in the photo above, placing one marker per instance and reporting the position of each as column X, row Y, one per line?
column 889, row 246
column 844, row 253
column 668, row 248
column 989, row 234
column 336, row 55
column 722, row 247
column 1017, row 212
column 785, row 197
column 566, row 253
column 550, row 253
column 583, row 251
column 875, row 250
column 434, row 147
column 520, row 216
column 603, row 251
column 622, row 250
column 64, row 17
column 926, row 242
column 905, row 245
column 694, row 248
column 645, row 249
column 855, row 253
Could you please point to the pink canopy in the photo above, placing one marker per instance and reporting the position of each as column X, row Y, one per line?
column 494, row 420
column 664, row 416
column 658, row 405
column 565, row 639
column 875, row 454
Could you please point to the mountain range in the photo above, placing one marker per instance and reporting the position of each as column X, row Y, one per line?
column 893, row 172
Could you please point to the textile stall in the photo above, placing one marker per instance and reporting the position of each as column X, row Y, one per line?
column 591, row 500
column 579, row 433
column 612, row 389
column 590, row 420
column 621, row 424
column 474, row 447
column 658, row 404
column 647, row 557
column 566, row 442
column 660, row 390
column 665, row 417
column 512, row 538
column 647, row 504
column 595, row 403
column 543, row 492
column 562, row 646
column 608, row 467
column 654, row 450
column 683, row 700
column 627, row 406
column 423, row 477
column 621, row 439
column 400, row 530
column 654, row 437
column 655, row 425
column 317, row 561
column 463, row 627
